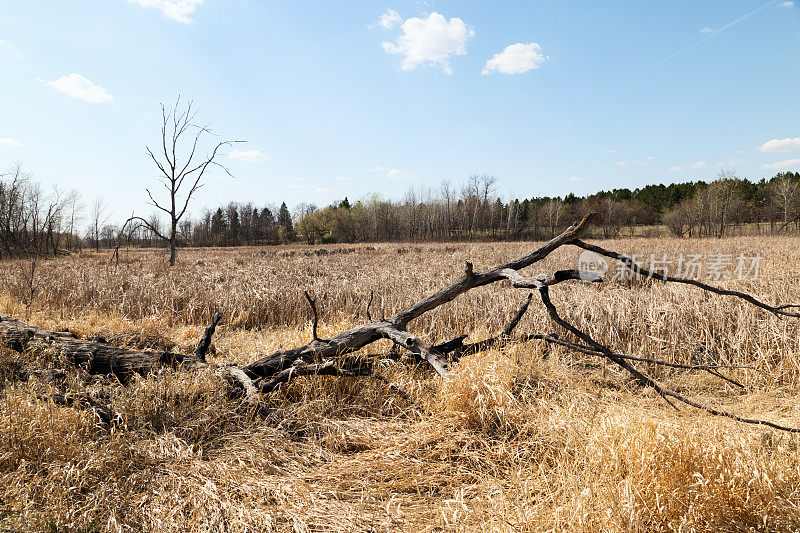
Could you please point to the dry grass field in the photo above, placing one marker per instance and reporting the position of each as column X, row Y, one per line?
column 525, row 437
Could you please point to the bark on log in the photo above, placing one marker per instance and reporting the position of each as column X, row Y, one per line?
column 94, row 357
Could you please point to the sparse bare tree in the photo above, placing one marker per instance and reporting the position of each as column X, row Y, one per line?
column 784, row 195
column 447, row 197
column 553, row 210
column 181, row 175
column 677, row 219
column 99, row 217
column 30, row 221
column 75, row 208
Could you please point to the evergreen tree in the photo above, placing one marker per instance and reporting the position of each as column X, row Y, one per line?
column 285, row 228
column 218, row 226
column 234, row 226
column 267, row 226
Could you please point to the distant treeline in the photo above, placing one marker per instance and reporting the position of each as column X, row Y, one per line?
column 35, row 222
column 473, row 211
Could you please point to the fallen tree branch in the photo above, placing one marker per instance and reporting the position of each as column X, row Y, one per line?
column 324, row 356
column 643, row 378
column 455, row 348
column 313, row 304
column 328, row 368
column 358, row 368
column 369, row 303
column 395, row 327
column 713, row 369
column 242, row 382
column 632, row 265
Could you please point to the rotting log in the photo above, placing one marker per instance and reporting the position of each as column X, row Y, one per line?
column 92, row 356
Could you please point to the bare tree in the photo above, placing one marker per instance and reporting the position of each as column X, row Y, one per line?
column 677, row 219
column 30, row 220
column 553, row 213
column 447, row 197
column 75, row 208
column 725, row 202
column 784, row 195
column 98, row 218
column 182, row 177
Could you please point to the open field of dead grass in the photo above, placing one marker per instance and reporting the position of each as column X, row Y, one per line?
column 524, row 437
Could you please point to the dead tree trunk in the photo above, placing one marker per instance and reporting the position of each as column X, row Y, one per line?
column 94, row 357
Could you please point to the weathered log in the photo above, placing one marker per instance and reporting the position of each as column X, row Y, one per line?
column 94, row 357
column 240, row 381
column 328, row 368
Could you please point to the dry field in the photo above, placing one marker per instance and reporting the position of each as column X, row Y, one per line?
column 524, row 437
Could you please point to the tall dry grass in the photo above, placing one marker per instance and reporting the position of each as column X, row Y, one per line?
column 513, row 440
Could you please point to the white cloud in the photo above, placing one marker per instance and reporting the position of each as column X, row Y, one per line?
column 707, row 29
column 389, row 19
column 675, row 169
column 343, row 178
column 698, row 164
column 575, row 179
column 322, row 190
column 76, row 86
column 251, row 156
column 781, row 145
column 177, row 10
column 392, row 174
column 732, row 162
column 516, row 59
column 395, row 174
column 431, row 41
column 786, row 4
column 294, row 186
column 783, row 164
column 608, row 152
column 639, row 163
column 621, row 163
column 7, row 142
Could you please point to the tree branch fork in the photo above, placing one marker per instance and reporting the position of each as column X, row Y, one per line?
column 327, row 356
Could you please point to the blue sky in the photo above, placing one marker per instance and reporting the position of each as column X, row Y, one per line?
column 344, row 98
